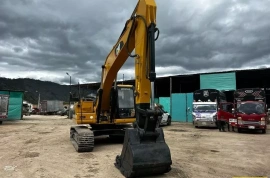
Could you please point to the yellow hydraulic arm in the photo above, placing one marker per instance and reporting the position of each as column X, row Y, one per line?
column 138, row 33
column 144, row 150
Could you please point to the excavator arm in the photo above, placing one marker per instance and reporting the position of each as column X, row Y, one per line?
column 144, row 150
column 138, row 34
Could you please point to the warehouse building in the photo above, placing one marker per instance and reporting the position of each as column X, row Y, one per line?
column 175, row 93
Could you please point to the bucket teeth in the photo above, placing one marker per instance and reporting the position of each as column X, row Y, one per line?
column 82, row 138
column 143, row 158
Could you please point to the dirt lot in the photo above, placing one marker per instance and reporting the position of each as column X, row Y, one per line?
column 39, row 146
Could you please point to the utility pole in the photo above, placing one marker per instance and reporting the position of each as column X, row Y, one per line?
column 39, row 100
column 38, row 106
column 69, row 110
column 171, row 95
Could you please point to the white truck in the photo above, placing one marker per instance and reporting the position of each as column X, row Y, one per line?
column 51, row 106
column 4, row 103
column 205, row 107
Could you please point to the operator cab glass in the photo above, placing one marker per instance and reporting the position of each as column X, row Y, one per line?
column 126, row 102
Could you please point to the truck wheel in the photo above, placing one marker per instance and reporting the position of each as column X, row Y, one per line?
column 239, row 130
column 1, row 122
column 264, row 131
column 169, row 121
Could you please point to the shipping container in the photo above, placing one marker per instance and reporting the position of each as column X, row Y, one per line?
column 51, row 106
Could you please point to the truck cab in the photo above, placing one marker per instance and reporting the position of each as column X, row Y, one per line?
column 204, row 114
column 226, row 112
column 250, row 111
column 205, row 107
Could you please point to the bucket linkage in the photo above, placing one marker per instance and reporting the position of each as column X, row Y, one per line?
column 144, row 151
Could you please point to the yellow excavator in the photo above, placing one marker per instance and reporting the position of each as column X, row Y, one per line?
column 115, row 107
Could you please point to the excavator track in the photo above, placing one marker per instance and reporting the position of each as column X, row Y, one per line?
column 82, row 138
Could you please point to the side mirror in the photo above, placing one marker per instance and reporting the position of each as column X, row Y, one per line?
column 218, row 109
column 233, row 110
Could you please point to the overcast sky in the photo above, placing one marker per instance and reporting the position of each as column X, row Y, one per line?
column 45, row 39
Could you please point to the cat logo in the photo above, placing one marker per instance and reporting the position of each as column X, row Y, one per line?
column 118, row 48
column 205, row 93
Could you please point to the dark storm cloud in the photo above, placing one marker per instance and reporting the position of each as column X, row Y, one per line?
column 55, row 37
column 230, row 34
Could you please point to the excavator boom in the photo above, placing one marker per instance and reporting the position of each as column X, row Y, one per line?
column 144, row 151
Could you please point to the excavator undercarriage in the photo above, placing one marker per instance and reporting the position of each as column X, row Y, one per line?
column 82, row 136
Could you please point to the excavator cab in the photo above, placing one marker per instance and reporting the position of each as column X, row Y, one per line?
column 123, row 101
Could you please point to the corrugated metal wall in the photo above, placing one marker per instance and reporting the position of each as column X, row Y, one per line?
column 178, row 107
column 180, row 104
column 222, row 81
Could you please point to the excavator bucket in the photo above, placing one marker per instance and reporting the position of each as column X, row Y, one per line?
column 144, row 154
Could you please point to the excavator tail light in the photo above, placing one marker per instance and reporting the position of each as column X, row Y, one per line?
column 144, row 155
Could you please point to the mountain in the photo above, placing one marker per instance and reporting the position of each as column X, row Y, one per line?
column 48, row 90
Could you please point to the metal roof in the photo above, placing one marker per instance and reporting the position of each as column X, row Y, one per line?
column 215, row 72
column 12, row 90
column 188, row 74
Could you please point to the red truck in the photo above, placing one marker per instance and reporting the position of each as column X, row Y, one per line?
column 249, row 110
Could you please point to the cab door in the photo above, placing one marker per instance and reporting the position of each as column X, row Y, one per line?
column 225, row 112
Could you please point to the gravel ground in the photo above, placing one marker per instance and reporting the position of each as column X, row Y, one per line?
column 39, row 146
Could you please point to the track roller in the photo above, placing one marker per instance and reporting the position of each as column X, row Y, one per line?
column 82, row 138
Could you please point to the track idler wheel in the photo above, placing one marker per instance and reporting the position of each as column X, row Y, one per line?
column 144, row 155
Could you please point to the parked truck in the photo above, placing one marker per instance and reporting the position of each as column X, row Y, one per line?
column 205, row 107
column 50, row 106
column 4, row 103
column 26, row 108
column 250, row 110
